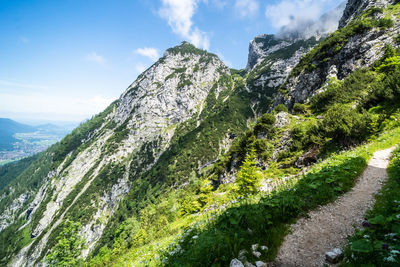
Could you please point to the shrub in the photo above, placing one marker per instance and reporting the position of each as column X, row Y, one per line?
column 265, row 124
column 280, row 108
column 387, row 90
column 67, row 250
column 300, row 109
column 344, row 124
column 385, row 23
column 343, row 92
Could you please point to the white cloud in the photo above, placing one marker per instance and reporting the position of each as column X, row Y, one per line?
column 179, row 14
column 94, row 57
column 286, row 11
column 149, row 52
column 246, row 8
column 140, row 67
column 302, row 17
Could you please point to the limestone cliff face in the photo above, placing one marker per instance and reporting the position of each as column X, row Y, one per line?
column 262, row 46
column 271, row 60
column 133, row 134
column 361, row 49
column 355, row 7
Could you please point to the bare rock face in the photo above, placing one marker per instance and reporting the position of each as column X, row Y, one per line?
column 361, row 50
column 262, row 46
column 355, row 7
column 271, row 60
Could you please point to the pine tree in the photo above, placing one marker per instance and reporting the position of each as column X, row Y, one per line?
column 249, row 176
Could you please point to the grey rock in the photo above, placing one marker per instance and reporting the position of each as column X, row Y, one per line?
column 261, row 264
column 262, row 46
column 282, row 119
column 361, row 50
column 334, row 256
column 256, row 254
column 236, row 263
column 254, row 247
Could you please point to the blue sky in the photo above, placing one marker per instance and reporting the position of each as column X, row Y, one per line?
column 66, row 60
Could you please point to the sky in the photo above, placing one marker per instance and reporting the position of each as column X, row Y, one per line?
column 66, row 60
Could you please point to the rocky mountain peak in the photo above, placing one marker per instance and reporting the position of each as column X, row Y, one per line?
column 175, row 85
column 262, row 46
column 298, row 30
column 186, row 48
column 355, row 7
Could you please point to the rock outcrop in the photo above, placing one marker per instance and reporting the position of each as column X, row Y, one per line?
column 355, row 7
column 360, row 50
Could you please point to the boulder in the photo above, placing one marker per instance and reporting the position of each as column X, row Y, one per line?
column 236, row 263
column 334, row 256
column 261, row 264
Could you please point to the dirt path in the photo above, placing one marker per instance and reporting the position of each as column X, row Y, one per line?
column 329, row 226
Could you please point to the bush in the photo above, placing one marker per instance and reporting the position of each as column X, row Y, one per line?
column 385, row 23
column 300, row 109
column 280, row 108
column 343, row 92
column 387, row 91
column 67, row 250
column 265, row 124
column 344, row 124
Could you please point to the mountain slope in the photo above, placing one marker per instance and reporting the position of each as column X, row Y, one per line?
column 159, row 178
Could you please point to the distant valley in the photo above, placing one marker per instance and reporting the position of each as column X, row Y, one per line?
column 19, row 140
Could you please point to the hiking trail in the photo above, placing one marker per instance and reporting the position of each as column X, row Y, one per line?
column 329, row 226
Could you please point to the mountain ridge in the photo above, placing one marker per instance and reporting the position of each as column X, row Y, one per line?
column 167, row 153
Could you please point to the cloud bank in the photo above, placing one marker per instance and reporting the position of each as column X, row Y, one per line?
column 302, row 18
column 179, row 14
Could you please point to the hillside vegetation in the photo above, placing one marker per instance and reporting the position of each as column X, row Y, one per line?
column 222, row 176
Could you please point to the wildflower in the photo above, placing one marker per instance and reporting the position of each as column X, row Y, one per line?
column 389, row 259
